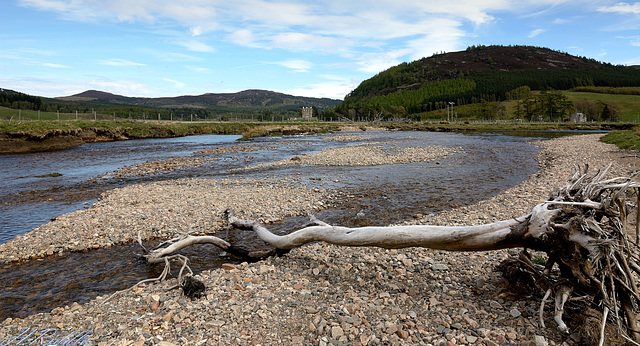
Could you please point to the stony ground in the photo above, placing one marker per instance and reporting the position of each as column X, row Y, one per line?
column 317, row 294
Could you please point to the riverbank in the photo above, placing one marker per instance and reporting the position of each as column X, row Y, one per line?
column 41, row 136
column 319, row 293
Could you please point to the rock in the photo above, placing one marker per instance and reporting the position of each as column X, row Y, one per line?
column 167, row 317
column 229, row 266
column 391, row 329
column 336, row 332
column 514, row 313
column 495, row 305
column 540, row 341
column 402, row 334
column 443, row 330
column 439, row 266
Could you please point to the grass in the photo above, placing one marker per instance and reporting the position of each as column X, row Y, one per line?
column 628, row 105
column 137, row 129
column 541, row 260
column 625, row 139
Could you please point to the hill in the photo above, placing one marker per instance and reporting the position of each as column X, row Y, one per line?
column 262, row 99
column 480, row 73
column 91, row 95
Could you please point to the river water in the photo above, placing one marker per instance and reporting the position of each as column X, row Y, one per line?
column 39, row 187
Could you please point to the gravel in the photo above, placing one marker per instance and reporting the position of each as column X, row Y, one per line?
column 319, row 294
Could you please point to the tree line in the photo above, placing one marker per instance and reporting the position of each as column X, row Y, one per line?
column 408, row 100
column 18, row 100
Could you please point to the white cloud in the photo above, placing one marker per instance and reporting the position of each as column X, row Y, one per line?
column 302, row 41
column 243, row 37
column 622, row 7
column 291, row 25
column 176, row 84
column 119, row 62
column 298, row 65
column 334, row 87
column 170, row 56
column 536, row 32
column 368, row 36
column 199, row 69
column 376, row 62
column 195, row 46
column 47, row 64
column 55, row 87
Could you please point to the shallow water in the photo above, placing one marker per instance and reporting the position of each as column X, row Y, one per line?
column 486, row 165
column 31, row 196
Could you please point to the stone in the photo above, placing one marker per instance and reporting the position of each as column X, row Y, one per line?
column 391, row 329
column 495, row 305
column 402, row 334
column 540, row 341
column 336, row 332
column 228, row 266
column 514, row 313
column 167, row 317
column 439, row 266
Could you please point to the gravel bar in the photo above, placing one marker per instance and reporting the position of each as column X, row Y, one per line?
column 319, row 294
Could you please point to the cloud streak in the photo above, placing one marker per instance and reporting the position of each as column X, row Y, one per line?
column 622, row 7
column 119, row 62
column 535, row 33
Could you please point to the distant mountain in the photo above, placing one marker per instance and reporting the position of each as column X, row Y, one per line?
column 91, row 95
column 247, row 98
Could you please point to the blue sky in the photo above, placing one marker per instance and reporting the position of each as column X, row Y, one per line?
column 153, row 48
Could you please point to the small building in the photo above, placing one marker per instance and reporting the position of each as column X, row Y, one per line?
column 577, row 118
column 307, row 113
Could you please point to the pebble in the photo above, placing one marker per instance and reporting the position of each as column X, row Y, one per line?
column 514, row 313
column 317, row 294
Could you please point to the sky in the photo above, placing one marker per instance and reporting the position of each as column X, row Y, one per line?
column 158, row 48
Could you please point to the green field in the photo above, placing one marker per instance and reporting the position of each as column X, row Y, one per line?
column 628, row 106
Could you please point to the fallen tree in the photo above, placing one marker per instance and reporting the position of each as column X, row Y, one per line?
column 582, row 229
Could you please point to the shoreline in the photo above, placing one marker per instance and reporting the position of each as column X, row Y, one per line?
column 326, row 294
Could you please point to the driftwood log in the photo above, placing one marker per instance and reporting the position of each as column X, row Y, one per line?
column 582, row 228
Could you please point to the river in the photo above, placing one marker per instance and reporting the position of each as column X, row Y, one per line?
column 39, row 187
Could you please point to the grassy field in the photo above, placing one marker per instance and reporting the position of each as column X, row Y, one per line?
column 628, row 105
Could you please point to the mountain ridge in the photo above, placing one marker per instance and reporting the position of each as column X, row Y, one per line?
column 249, row 97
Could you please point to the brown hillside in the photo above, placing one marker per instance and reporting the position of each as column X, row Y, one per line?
column 502, row 58
column 91, row 95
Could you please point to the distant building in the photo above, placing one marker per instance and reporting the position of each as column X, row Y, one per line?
column 307, row 113
column 578, row 118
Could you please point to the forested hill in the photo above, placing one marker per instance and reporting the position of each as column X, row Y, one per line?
column 248, row 98
column 480, row 73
